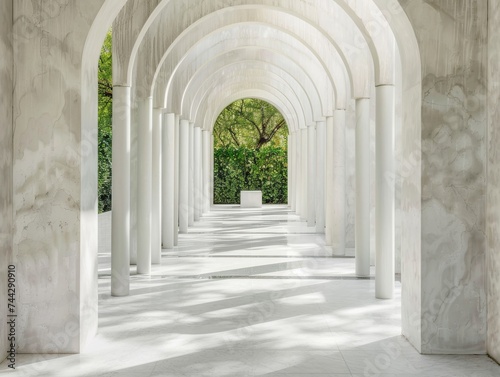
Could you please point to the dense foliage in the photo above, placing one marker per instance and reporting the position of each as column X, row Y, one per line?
column 237, row 169
column 250, row 123
column 105, row 134
column 250, row 142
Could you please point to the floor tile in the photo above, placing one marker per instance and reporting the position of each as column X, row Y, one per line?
column 249, row 293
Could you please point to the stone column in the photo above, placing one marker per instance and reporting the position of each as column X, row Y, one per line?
column 211, row 168
column 298, row 173
column 304, row 165
column 184, row 176
column 288, row 174
column 144, row 186
column 206, row 171
column 197, row 173
column 339, row 184
column 177, row 126
column 191, row 175
column 291, row 172
column 311, row 175
column 384, row 192
column 320, row 176
column 329, row 182
column 120, row 234
column 168, row 181
column 362, row 241
column 156, row 190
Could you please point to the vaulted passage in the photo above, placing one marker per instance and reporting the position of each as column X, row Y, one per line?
column 392, row 114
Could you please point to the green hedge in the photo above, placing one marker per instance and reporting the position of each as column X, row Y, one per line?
column 237, row 169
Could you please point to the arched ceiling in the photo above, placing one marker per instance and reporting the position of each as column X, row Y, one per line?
column 311, row 57
column 259, row 79
column 204, row 84
column 247, row 36
column 340, row 37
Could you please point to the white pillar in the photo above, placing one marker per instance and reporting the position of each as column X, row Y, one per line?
column 156, row 189
column 311, row 175
column 329, row 182
column 291, row 166
column 191, row 175
column 145, row 141
column 177, row 126
column 168, row 180
column 339, row 184
column 298, row 172
column 304, row 165
column 288, row 173
column 384, row 192
column 362, row 241
column 206, row 171
column 197, row 173
column 200, row 175
column 184, row 176
column 289, row 170
column 320, row 176
column 120, row 216
column 212, row 161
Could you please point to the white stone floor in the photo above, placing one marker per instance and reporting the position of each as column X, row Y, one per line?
column 249, row 293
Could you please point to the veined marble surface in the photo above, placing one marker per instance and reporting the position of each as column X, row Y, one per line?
column 6, row 74
column 452, row 37
column 54, row 207
column 493, row 196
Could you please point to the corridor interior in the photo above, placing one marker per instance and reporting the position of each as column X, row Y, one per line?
column 250, row 292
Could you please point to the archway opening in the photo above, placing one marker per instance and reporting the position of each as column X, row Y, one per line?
column 250, row 152
column 204, row 125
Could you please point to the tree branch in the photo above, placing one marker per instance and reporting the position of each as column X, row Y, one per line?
column 277, row 128
column 233, row 135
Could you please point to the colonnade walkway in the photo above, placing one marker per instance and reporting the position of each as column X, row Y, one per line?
column 250, row 292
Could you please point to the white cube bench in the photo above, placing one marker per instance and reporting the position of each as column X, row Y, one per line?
column 251, row 199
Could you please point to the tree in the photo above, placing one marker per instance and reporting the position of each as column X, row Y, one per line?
column 250, row 123
column 105, row 131
column 250, row 142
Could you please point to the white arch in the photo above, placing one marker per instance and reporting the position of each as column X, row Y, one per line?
column 234, row 35
column 290, row 107
column 280, row 14
column 411, row 193
column 243, row 71
column 256, row 93
column 129, row 29
column 309, row 65
column 365, row 14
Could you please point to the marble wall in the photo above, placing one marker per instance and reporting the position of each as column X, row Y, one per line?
column 54, row 185
column 452, row 37
column 493, row 193
column 6, row 74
